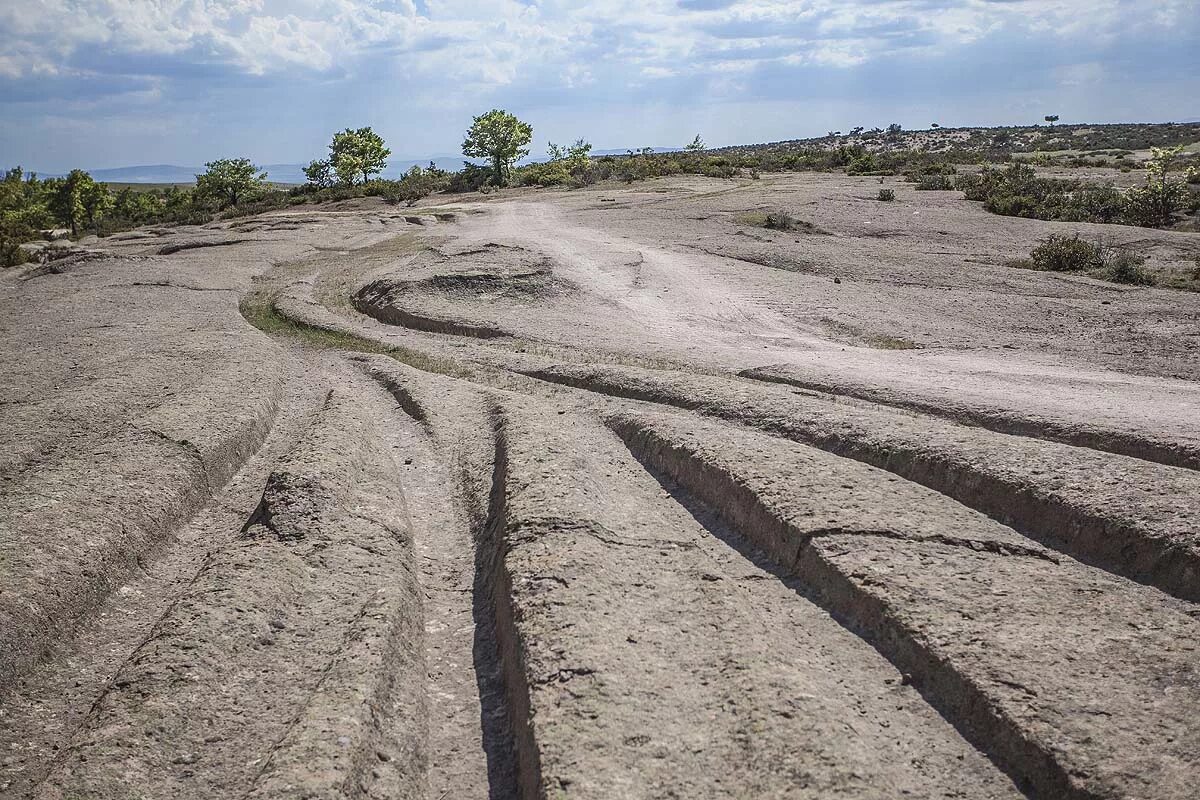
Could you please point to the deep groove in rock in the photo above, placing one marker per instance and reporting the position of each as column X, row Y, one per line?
column 499, row 671
column 372, row 301
column 177, row 247
column 707, row 492
column 498, row 638
column 1107, row 441
column 1107, row 544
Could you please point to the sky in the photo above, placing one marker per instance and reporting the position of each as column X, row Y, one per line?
column 106, row 83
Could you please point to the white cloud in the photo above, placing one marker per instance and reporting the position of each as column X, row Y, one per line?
column 492, row 42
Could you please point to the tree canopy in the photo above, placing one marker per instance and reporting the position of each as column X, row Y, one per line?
column 229, row 181
column 355, row 154
column 319, row 174
column 501, row 138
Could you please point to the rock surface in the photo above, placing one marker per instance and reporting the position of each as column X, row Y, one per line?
column 598, row 494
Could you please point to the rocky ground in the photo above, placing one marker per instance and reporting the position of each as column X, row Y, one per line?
column 600, row 494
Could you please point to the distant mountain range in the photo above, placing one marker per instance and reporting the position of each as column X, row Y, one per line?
column 286, row 173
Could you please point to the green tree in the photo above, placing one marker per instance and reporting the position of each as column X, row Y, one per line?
column 67, row 202
column 229, row 181
column 22, row 215
column 501, row 138
column 97, row 202
column 136, row 207
column 696, row 145
column 319, row 174
column 1051, row 118
column 357, row 153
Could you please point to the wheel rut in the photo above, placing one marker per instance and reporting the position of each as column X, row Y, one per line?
column 916, row 594
column 471, row 741
column 1107, row 439
column 43, row 711
column 1122, row 514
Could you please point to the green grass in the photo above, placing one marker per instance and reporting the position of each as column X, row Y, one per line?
column 259, row 310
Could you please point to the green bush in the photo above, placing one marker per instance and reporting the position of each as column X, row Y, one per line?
column 1123, row 266
column 550, row 173
column 471, row 178
column 887, row 195
column 934, row 182
column 1012, row 205
column 416, row 184
column 1061, row 253
column 1017, row 191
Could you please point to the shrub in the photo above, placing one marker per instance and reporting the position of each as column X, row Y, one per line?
column 1093, row 204
column 1123, row 266
column 934, row 182
column 1012, row 205
column 862, row 164
column 472, row 178
column 1061, row 253
column 780, row 221
column 416, row 184
column 777, row 221
column 551, row 173
column 887, row 195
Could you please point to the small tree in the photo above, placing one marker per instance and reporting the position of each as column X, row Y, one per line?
column 894, row 130
column 501, row 138
column 67, row 201
column 357, row 153
column 1154, row 205
column 575, row 157
column 696, row 145
column 319, row 174
column 1051, row 118
column 229, row 181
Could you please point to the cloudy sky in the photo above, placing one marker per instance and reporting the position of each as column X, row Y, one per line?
column 102, row 83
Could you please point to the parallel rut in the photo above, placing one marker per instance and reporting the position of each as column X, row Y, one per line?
column 628, row 584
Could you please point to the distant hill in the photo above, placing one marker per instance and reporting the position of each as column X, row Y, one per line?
column 150, row 173
column 288, row 173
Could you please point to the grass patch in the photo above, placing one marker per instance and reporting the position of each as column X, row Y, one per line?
column 890, row 342
column 258, row 308
column 1186, row 280
column 877, row 340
